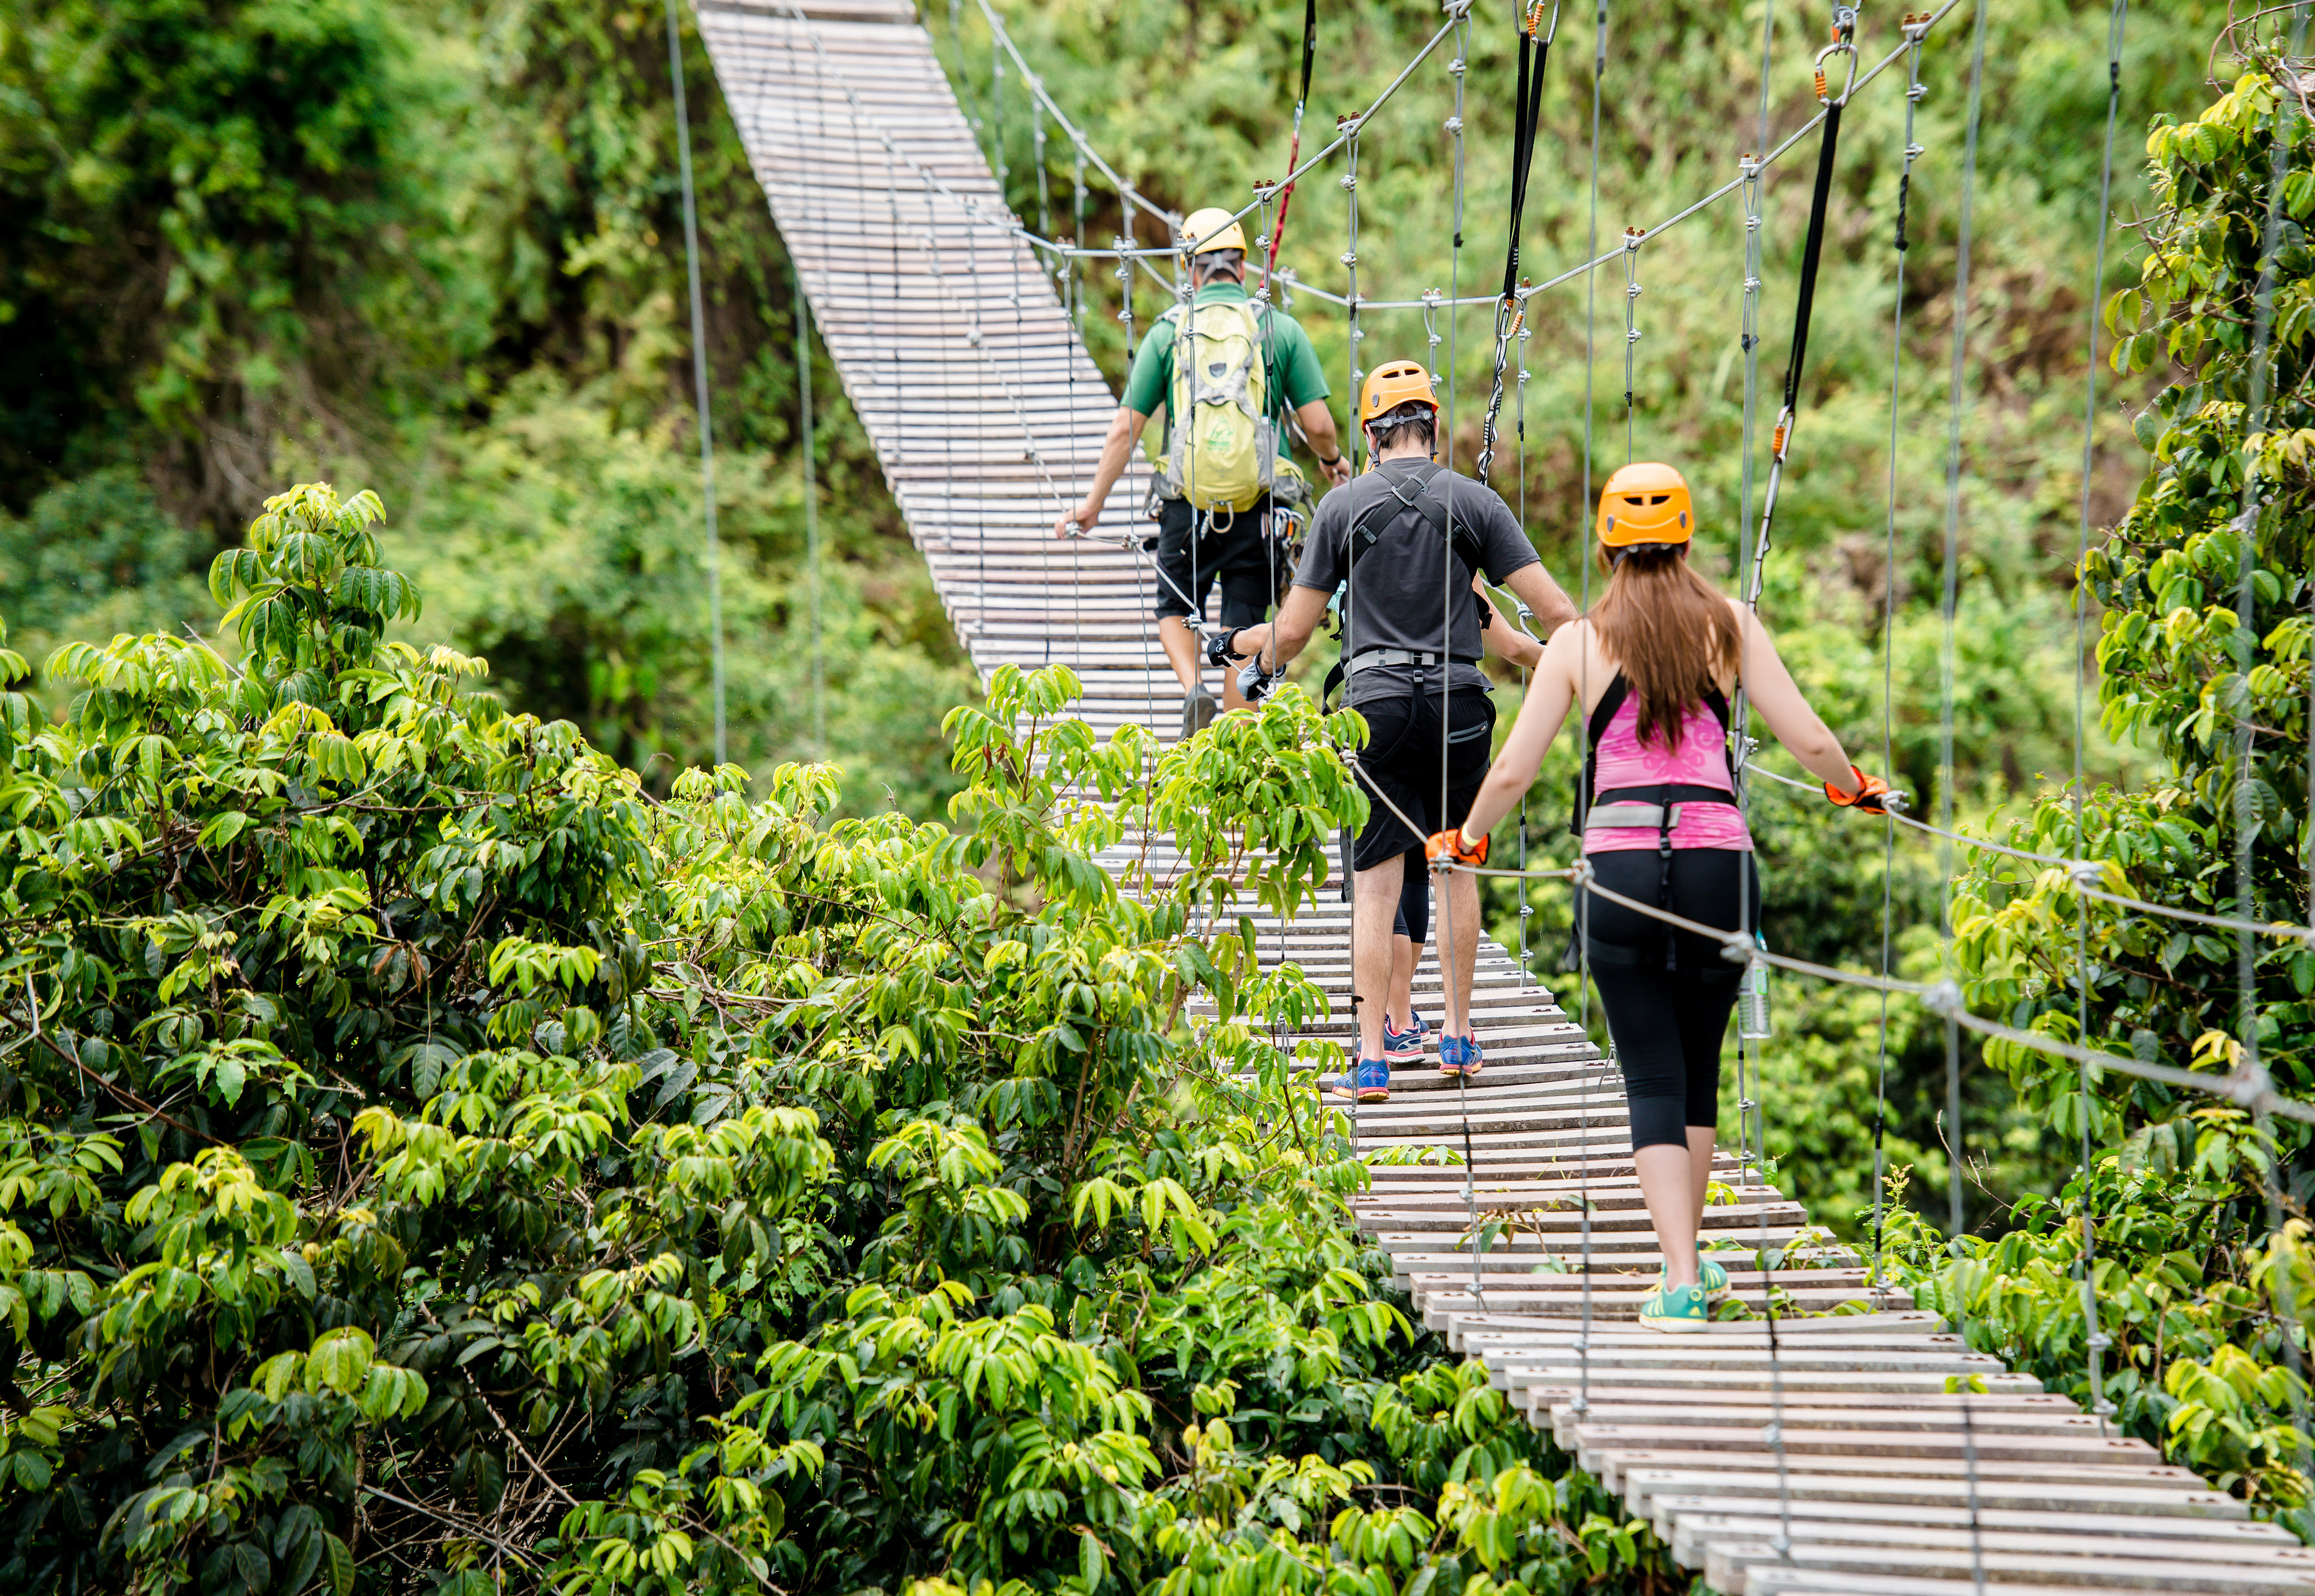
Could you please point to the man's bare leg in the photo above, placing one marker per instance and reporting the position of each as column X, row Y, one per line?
column 1459, row 949
column 1371, row 951
column 1404, row 955
column 1181, row 646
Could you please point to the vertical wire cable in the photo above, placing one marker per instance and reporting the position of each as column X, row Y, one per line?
column 1631, row 329
column 1749, row 168
column 1949, row 995
column 1527, row 676
column 810, row 515
column 1914, row 90
column 2254, row 426
column 1351, row 437
column 699, row 374
column 1444, row 884
column 2288, row 1299
column 1582, row 1403
column 2095, row 1341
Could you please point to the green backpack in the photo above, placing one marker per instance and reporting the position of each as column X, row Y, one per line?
column 1221, row 447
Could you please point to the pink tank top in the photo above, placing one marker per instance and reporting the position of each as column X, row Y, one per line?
column 1701, row 761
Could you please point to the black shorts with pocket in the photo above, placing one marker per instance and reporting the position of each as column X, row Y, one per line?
column 1239, row 554
column 1401, row 762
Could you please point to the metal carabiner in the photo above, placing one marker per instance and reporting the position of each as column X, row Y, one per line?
column 1534, row 20
column 1844, row 43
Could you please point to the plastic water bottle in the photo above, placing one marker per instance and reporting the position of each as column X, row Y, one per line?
column 1753, row 998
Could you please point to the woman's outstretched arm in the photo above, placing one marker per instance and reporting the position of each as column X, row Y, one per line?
column 1549, row 692
column 1772, row 691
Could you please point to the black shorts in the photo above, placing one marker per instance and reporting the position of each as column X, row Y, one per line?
column 1239, row 554
column 1401, row 762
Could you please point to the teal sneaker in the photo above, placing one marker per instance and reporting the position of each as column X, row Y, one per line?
column 1711, row 1277
column 1679, row 1310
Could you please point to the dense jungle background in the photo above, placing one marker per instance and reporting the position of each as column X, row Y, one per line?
column 435, row 250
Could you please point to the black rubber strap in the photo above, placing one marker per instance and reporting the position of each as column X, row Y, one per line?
column 1525, row 115
column 1812, row 250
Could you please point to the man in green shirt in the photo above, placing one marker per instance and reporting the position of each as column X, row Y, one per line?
column 1229, row 541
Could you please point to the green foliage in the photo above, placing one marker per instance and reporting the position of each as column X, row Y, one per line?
column 424, row 1153
column 450, row 263
column 2199, row 1210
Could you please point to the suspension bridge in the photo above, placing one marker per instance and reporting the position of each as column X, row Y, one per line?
column 1839, row 1441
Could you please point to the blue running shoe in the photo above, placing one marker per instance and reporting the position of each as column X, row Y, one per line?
column 1459, row 1055
column 1369, row 1082
column 1404, row 1047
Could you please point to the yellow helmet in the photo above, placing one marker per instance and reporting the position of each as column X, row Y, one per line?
column 1392, row 384
column 1646, row 502
column 1205, row 231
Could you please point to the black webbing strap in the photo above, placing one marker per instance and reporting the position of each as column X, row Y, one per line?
column 1294, row 150
column 1812, row 250
column 1525, row 115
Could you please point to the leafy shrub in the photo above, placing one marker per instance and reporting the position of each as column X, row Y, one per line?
column 2204, row 1277
column 430, row 1162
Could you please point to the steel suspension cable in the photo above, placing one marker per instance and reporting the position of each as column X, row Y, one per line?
column 1294, row 148
column 1914, row 90
column 702, row 410
column 1450, row 966
column 1583, row 1404
column 2247, row 818
column 1957, row 400
column 2094, row 1342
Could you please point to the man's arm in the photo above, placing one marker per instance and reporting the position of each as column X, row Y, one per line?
column 1124, row 432
column 1288, row 634
column 1533, row 586
column 1319, row 427
column 1500, row 638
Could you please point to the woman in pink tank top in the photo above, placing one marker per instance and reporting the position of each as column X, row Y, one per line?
column 1654, row 668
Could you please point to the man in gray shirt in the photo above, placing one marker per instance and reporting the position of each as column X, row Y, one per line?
column 1405, row 543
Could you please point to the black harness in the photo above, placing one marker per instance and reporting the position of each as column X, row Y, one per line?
column 1665, row 796
column 1388, row 512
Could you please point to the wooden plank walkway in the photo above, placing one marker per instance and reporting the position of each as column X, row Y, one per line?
column 987, row 415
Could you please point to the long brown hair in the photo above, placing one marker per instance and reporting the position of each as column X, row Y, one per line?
column 1670, row 631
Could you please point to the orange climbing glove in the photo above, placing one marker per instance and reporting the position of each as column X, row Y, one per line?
column 1449, row 845
column 1871, row 790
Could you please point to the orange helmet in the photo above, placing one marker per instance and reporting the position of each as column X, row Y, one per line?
column 1646, row 502
column 1392, row 384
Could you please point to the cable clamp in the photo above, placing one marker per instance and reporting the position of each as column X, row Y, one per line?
column 1453, row 125
column 2104, row 1409
column 2086, row 873
column 1944, row 999
column 2099, row 1340
column 1349, row 257
column 1457, row 9
column 1772, row 1436
column 1455, row 67
column 1348, row 126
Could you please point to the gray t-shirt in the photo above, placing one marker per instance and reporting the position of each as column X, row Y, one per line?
column 1398, row 602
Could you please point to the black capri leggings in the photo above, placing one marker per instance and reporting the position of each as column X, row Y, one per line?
column 1668, row 1023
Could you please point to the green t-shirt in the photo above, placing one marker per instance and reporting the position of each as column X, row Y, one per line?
column 1291, row 365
